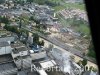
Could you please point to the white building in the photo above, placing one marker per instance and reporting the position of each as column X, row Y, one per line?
column 47, row 64
column 5, row 48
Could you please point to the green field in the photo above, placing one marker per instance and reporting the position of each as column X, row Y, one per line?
column 70, row 5
column 75, row 5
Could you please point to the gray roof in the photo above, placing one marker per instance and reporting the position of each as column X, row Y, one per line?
column 87, row 73
column 19, row 49
column 11, row 39
column 3, row 44
column 4, row 68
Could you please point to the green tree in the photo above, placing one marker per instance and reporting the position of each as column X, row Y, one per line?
column 91, row 68
column 30, row 1
column 79, row 62
column 84, row 63
column 86, row 68
column 35, row 39
column 41, row 43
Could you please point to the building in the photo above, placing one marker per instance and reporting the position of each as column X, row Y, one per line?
column 21, row 57
column 8, row 69
column 19, row 51
column 38, row 55
column 5, row 48
column 47, row 64
column 8, row 39
column 23, row 62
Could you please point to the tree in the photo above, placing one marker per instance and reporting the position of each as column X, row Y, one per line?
column 41, row 43
column 86, row 68
column 84, row 63
column 35, row 39
column 30, row 1
column 91, row 68
column 79, row 63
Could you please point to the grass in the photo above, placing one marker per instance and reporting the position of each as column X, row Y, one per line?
column 75, row 5
column 58, row 8
column 84, row 29
column 70, row 5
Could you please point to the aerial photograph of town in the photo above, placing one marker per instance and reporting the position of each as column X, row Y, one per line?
column 45, row 37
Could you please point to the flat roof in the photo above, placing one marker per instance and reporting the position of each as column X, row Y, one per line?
column 48, row 64
column 23, row 57
column 17, row 45
column 19, row 49
column 3, row 44
column 7, row 66
column 5, row 58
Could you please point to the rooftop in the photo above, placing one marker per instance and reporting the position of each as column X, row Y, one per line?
column 5, row 58
column 23, row 57
column 17, row 44
column 9, row 38
column 3, row 44
column 7, row 68
column 19, row 49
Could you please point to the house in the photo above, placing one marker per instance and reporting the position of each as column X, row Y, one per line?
column 21, row 57
column 47, row 64
column 23, row 62
column 8, row 69
column 19, row 51
column 8, row 39
column 5, row 48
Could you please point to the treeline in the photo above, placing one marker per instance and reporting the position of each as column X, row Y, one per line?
column 12, row 29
